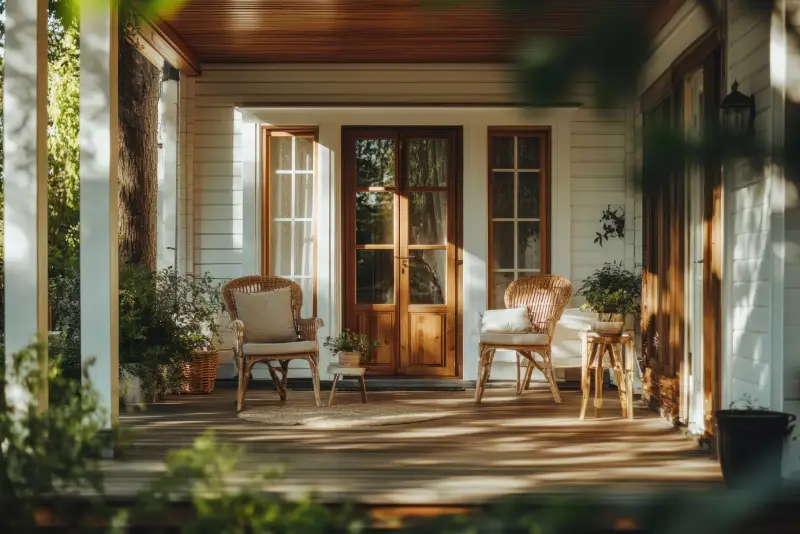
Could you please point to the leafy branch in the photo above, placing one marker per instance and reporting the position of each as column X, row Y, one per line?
column 613, row 224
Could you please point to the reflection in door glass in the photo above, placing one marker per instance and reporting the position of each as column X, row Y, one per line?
column 428, row 282
column 375, row 162
column 374, row 218
column 428, row 213
column 375, row 276
column 427, row 162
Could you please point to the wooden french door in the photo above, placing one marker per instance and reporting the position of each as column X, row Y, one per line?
column 400, row 189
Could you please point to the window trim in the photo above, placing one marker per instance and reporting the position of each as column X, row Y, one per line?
column 545, row 216
column 267, row 133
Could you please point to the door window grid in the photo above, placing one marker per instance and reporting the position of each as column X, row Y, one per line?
column 516, row 271
column 300, row 271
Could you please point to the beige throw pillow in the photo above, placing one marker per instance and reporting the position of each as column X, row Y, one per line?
column 267, row 316
column 514, row 320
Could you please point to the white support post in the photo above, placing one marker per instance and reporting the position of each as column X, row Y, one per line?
column 25, row 170
column 99, row 145
column 168, row 173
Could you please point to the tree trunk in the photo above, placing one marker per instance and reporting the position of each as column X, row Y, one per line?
column 139, row 86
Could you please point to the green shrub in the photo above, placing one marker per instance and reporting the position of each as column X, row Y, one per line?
column 163, row 318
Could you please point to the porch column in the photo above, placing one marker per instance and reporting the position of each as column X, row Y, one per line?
column 168, row 170
column 25, row 170
column 99, row 141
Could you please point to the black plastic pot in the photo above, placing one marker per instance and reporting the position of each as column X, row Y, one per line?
column 750, row 445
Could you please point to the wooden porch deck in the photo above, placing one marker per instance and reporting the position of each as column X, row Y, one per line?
column 506, row 445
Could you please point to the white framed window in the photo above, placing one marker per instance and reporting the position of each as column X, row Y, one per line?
column 519, row 207
column 289, row 209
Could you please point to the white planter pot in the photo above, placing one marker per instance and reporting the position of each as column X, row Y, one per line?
column 609, row 324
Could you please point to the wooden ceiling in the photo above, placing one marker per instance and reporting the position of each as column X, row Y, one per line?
column 239, row 31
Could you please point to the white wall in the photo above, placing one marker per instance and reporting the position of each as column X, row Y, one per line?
column 791, row 364
column 592, row 147
column 751, row 342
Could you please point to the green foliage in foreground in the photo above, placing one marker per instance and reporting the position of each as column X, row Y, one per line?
column 50, row 453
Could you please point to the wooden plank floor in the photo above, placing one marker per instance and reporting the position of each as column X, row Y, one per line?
column 506, row 445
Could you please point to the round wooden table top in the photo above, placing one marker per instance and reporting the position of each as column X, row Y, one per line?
column 597, row 338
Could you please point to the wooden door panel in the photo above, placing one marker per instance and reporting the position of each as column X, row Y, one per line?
column 381, row 327
column 427, row 340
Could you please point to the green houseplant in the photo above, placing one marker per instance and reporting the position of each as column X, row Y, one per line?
column 353, row 348
column 612, row 292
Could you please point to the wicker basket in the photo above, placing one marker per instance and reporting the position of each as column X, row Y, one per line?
column 350, row 359
column 200, row 372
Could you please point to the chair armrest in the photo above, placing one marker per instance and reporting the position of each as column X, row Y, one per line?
column 308, row 328
column 238, row 336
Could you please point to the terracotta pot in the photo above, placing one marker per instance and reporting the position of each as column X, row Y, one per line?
column 349, row 359
column 610, row 324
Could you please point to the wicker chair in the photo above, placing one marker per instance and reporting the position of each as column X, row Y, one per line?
column 545, row 296
column 306, row 328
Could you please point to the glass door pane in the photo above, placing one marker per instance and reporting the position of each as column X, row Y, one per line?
column 375, row 209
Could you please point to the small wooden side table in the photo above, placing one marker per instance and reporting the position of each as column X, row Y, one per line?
column 339, row 372
column 621, row 357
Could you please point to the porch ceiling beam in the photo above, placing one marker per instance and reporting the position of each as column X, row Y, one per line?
column 99, row 244
column 157, row 37
column 25, row 172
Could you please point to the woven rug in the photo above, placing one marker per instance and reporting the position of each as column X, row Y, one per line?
column 342, row 416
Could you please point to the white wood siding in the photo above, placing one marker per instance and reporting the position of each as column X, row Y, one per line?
column 600, row 146
column 748, row 362
column 791, row 362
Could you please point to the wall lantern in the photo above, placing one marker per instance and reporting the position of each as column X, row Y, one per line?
column 738, row 112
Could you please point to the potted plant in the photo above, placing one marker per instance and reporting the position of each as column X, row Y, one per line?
column 197, row 304
column 612, row 292
column 750, row 443
column 353, row 349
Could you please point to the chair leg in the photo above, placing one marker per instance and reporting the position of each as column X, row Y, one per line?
column 315, row 379
column 244, row 382
column 519, row 383
column 551, row 378
column 276, row 379
column 363, row 382
column 284, row 377
column 526, row 383
column 484, row 370
column 242, row 385
column 333, row 389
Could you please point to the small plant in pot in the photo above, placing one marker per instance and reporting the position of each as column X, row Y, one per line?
column 612, row 292
column 353, row 349
column 750, row 442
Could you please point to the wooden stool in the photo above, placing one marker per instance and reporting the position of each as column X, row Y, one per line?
column 594, row 347
column 339, row 372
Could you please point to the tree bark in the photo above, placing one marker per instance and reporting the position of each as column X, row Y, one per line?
column 139, row 86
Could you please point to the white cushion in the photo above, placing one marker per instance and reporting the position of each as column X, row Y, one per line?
column 515, row 339
column 269, row 349
column 514, row 320
column 267, row 316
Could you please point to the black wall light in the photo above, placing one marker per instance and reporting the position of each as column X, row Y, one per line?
column 738, row 112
